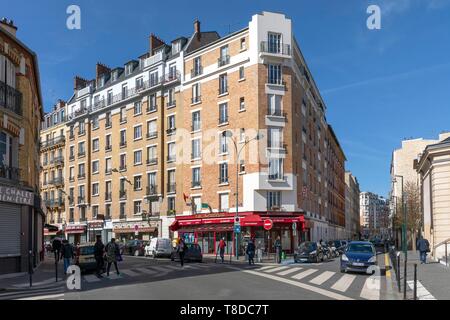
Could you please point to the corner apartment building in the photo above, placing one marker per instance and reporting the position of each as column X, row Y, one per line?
column 374, row 213
column 52, row 150
column 433, row 166
column 151, row 146
column 21, row 214
column 352, row 218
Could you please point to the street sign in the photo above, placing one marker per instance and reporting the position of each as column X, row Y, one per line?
column 268, row 224
column 237, row 221
column 294, row 226
column 237, row 228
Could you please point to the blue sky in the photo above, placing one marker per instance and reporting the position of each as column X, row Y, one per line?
column 380, row 86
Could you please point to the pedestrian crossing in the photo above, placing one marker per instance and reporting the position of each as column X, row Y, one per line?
column 43, row 293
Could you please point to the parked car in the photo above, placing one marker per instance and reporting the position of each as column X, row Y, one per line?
column 308, row 251
column 159, row 247
column 84, row 257
column 193, row 253
column 359, row 256
column 135, row 247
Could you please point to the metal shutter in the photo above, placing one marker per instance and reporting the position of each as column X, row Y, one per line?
column 9, row 229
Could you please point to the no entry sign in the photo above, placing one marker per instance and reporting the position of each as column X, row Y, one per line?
column 268, row 224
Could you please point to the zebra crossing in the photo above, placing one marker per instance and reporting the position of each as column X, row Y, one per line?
column 367, row 287
column 50, row 292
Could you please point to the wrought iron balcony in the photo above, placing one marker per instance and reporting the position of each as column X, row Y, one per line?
column 151, row 190
column 53, row 142
column 81, row 200
column 222, row 61
column 196, row 99
column 108, row 196
column 196, row 184
column 275, row 48
column 171, row 187
column 10, row 98
column 59, row 160
column 122, row 194
column 171, row 104
column 223, row 180
column 81, row 175
column 151, row 108
column 10, row 173
column 196, row 71
column 152, row 135
column 152, row 161
column 171, row 130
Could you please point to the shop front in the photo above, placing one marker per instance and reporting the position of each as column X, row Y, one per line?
column 94, row 229
column 52, row 231
column 207, row 230
column 135, row 230
column 76, row 233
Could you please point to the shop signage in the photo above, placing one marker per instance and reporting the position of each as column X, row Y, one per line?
column 95, row 225
column 14, row 195
column 268, row 224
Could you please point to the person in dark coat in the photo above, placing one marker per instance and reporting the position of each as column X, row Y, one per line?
column 112, row 254
column 277, row 247
column 56, row 247
column 99, row 252
column 251, row 252
column 423, row 246
column 66, row 254
column 181, row 250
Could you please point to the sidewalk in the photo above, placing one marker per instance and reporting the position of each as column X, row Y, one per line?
column 44, row 276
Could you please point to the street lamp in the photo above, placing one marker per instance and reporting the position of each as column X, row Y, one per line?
column 229, row 134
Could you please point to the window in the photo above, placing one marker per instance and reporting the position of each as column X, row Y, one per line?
column 95, row 123
column 71, row 196
column 123, row 161
column 223, row 172
column 171, row 98
column 241, row 104
column 274, row 74
column 223, row 143
column 151, row 155
column 139, row 83
column 171, row 151
column 172, row 72
column 196, row 178
column 94, row 212
column 196, row 124
column 151, row 129
column 196, row 94
column 151, row 103
column 274, row 105
column 154, row 79
column 123, row 137
column 171, row 124
column 223, row 84
column 241, row 73
column 241, row 165
column 138, row 132
column 83, row 104
column 114, row 75
column 242, row 135
column 137, row 183
column 274, row 42
column 123, row 114
column 197, row 67
column 108, row 120
column 81, row 128
column 71, row 174
column 171, row 204
column 223, row 113
column 72, row 151
column 95, row 166
column 151, row 177
column 275, row 168
column 171, row 181
column 108, row 188
column 95, row 189
column 224, row 202
column 95, row 144
column 124, row 91
column 273, row 200
column 137, row 207
column 224, row 56
column 81, row 193
column 71, row 132
column 122, row 210
column 138, row 157
column 108, row 211
column 275, row 138
column 196, row 149
column 108, row 142
column 81, row 149
column 197, row 204
column 137, row 108
column 243, row 45
column 108, row 165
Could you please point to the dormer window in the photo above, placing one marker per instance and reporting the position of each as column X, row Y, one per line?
column 129, row 69
column 101, row 81
column 176, row 47
column 114, row 75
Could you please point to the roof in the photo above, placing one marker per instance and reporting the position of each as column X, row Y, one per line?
column 206, row 38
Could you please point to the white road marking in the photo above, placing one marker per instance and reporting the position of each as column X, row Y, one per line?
column 265, row 268
column 304, row 274
column 145, row 270
column 51, row 296
column 422, row 292
column 159, row 269
column 276, row 269
column 322, row 277
column 321, row 291
column 344, row 282
column 129, row 272
column 91, row 278
column 371, row 289
column 291, row 270
column 173, row 267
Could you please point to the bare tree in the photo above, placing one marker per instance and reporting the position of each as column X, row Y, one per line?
column 412, row 198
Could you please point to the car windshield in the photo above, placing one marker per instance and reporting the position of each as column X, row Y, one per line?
column 308, row 246
column 163, row 242
column 360, row 247
column 337, row 243
column 86, row 250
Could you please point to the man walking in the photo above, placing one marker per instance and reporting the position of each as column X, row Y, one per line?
column 222, row 245
column 277, row 246
column 423, row 246
column 112, row 254
column 181, row 250
column 99, row 251
column 66, row 254
column 251, row 252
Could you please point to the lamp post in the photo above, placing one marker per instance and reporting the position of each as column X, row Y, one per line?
column 229, row 134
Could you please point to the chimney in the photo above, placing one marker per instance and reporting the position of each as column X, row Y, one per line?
column 155, row 42
column 197, row 28
column 101, row 69
column 8, row 26
column 79, row 83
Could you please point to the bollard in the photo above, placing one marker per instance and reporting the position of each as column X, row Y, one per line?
column 30, row 268
column 56, row 270
column 415, row 281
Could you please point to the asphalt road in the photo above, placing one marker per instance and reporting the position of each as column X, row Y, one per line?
column 147, row 278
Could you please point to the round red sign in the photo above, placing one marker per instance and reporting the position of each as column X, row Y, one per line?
column 268, row 224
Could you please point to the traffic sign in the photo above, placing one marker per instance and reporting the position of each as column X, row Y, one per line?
column 268, row 224
column 294, row 226
column 237, row 228
column 237, row 221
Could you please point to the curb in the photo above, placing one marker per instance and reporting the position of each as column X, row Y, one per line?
column 12, row 275
column 391, row 284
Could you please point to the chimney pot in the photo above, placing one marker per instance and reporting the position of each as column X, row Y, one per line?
column 197, row 28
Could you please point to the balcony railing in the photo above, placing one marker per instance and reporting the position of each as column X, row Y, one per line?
column 152, row 161
column 275, row 48
column 223, row 90
column 277, row 81
column 108, row 148
column 58, row 181
column 53, row 142
column 276, row 113
column 152, row 135
column 224, row 60
column 196, row 184
column 71, row 157
column 81, row 176
column 171, row 187
column 196, row 126
column 171, row 158
column 171, row 104
column 108, row 196
column 81, row 154
column 122, row 216
column 223, row 119
column 172, row 76
column 81, row 200
column 122, row 194
column 123, row 144
column 276, row 176
column 196, row 99
column 108, row 171
column 71, row 136
column 59, row 160
column 151, row 108
column 10, row 98
column 10, row 173
column 196, row 71
column 122, row 167
column 151, row 190
column 171, row 130
column 223, row 180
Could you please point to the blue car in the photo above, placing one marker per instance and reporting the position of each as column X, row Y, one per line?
column 359, row 256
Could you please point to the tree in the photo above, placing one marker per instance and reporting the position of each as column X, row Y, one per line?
column 412, row 198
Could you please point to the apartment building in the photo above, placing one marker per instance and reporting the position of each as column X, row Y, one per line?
column 52, row 151
column 374, row 215
column 162, row 145
column 21, row 214
column 352, row 218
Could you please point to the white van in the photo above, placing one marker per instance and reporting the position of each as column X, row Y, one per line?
column 159, row 247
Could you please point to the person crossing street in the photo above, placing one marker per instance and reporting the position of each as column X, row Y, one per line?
column 222, row 245
column 99, row 252
column 181, row 250
column 112, row 255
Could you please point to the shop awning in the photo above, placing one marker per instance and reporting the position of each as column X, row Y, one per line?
column 50, row 227
column 70, row 229
column 252, row 220
column 131, row 230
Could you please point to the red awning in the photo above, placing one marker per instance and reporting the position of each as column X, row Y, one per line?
column 251, row 220
column 174, row 226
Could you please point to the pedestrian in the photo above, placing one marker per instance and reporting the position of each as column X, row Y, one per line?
column 174, row 243
column 251, row 252
column 181, row 250
column 423, row 246
column 222, row 245
column 56, row 247
column 112, row 256
column 99, row 253
column 277, row 246
column 66, row 254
